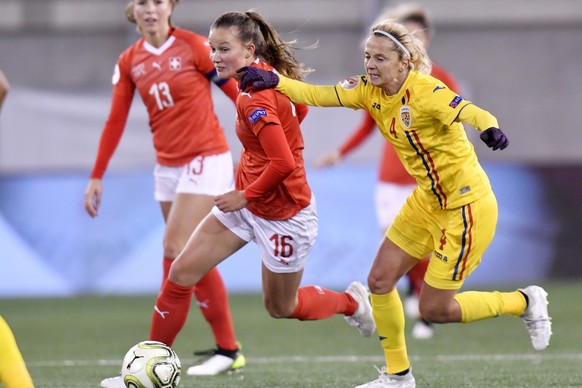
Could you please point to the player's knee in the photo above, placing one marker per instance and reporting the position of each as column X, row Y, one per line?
column 434, row 313
column 380, row 284
column 276, row 309
column 172, row 248
column 182, row 275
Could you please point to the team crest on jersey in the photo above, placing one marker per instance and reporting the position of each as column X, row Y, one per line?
column 138, row 70
column 256, row 115
column 175, row 63
column 350, row 83
column 405, row 116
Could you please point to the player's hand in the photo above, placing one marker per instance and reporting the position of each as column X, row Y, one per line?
column 257, row 78
column 231, row 201
column 495, row 139
column 93, row 196
column 329, row 159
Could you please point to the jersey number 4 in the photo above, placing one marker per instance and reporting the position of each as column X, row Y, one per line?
column 162, row 94
column 393, row 128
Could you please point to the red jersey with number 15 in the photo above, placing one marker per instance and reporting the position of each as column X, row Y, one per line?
column 271, row 168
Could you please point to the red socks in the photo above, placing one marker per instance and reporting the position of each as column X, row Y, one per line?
column 314, row 303
column 212, row 299
column 170, row 312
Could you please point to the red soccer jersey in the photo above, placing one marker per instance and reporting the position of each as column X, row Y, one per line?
column 391, row 168
column 174, row 84
column 271, row 168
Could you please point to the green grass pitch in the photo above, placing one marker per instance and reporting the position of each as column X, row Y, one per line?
column 75, row 342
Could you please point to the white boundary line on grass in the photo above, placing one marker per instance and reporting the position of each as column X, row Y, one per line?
column 377, row 359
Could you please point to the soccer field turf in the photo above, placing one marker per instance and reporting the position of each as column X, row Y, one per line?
column 75, row 342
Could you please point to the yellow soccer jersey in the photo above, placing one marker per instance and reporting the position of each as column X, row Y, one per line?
column 423, row 122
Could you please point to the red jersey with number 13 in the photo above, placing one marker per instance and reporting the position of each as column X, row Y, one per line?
column 173, row 84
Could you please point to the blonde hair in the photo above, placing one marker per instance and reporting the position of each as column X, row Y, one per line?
column 253, row 28
column 130, row 17
column 419, row 59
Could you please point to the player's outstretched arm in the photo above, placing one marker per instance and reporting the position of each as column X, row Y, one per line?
column 257, row 78
column 298, row 91
column 494, row 138
column 485, row 122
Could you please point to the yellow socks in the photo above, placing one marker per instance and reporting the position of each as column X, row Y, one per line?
column 476, row 306
column 13, row 372
column 389, row 317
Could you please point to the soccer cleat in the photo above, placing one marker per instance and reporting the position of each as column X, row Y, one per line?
column 536, row 318
column 422, row 330
column 113, row 382
column 392, row 381
column 362, row 319
column 217, row 363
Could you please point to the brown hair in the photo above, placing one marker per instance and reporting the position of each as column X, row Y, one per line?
column 253, row 28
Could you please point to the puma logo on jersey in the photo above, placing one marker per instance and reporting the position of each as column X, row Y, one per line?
column 204, row 304
column 246, row 94
column 157, row 65
column 162, row 313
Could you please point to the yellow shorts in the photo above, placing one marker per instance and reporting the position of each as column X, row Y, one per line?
column 457, row 237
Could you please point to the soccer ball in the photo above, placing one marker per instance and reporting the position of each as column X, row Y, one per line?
column 151, row 364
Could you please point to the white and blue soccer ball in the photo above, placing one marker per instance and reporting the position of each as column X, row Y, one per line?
column 151, row 364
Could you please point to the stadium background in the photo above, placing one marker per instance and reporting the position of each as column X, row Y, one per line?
column 518, row 59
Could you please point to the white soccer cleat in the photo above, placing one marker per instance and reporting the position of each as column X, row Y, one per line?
column 391, row 381
column 536, row 318
column 362, row 319
column 217, row 364
column 113, row 382
column 422, row 330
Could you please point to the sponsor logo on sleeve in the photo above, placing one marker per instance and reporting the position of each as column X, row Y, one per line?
column 456, row 101
column 256, row 115
column 350, row 83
